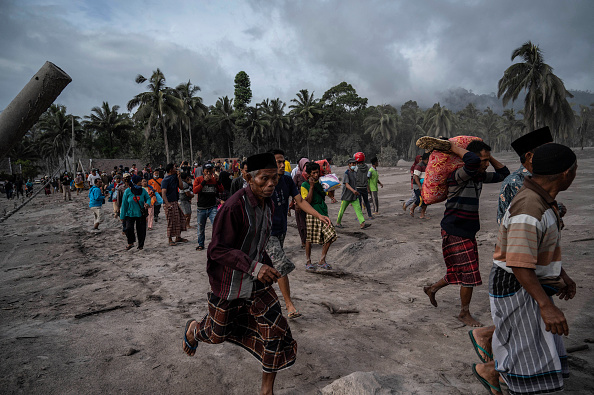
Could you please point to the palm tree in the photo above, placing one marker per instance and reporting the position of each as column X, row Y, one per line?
column 274, row 114
column 382, row 124
column 439, row 121
column 512, row 124
column 55, row 128
column 489, row 126
column 546, row 97
column 222, row 120
column 193, row 109
column 304, row 110
column 156, row 106
column 255, row 126
column 108, row 122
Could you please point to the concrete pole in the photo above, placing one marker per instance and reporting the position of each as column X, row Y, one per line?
column 22, row 113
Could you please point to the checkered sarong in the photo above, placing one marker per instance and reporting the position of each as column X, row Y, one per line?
column 176, row 222
column 255, row 324
column 318, row 232
column 461, row 259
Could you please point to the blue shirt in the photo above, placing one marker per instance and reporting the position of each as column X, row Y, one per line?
column 172, row 185
column 510, row 187
column 280, row 198
column 96, row 198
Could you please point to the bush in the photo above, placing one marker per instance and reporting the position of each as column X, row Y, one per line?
column 340, row 160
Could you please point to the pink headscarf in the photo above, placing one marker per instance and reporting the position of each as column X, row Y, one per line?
column 300, row 168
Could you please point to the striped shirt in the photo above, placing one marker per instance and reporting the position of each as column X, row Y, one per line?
column 461, row 217
column 237, row 249
column 529, row 235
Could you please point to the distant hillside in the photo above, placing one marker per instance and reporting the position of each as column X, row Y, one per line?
column 457, row 99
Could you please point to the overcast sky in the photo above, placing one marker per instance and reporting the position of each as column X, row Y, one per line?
column 390, row 51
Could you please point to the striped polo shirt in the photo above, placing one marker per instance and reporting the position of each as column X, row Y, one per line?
column 529, row 234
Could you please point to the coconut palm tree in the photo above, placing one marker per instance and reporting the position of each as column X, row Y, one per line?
column 255, row 126
column 513, row 126
column 222, row 120
column 382, row 124
column 157, row 107
column 274, row 114
column 546, row 97
column 439, row 121
column 193, row 109
column 304, row 111
column 55, row 127
column 108, row 122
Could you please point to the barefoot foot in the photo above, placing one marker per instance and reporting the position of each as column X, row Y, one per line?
column 468, row 320
column 431, row 295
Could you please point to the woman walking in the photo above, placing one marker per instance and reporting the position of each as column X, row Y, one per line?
column 135, row 204
column 151, row 209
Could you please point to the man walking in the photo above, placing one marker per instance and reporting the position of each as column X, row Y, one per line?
column 239, row 182
column 96, row 200
column 206, row 187
column 461, row 222
column 155, row 182
column 373, row 177
column 285, row 189
column 66, row 180
column 350, row 196
column 242, row 305
column 318, row 231
column 528, row 350
column 176, row 222
column 362, row 182
column 418, row 179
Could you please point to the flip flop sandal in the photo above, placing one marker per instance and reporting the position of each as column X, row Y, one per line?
column 129, row 246
column 172, row 243
column 479, row 349
column 365, row 226
column 199, row 248
column 310, row 267
column 325, row 266
column 483, row 381
column 181, row 241
column 294, row 314
column 192, row 348
column 432, row 143
column 339, row 226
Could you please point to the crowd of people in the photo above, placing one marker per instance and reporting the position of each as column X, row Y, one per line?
column 249, row 203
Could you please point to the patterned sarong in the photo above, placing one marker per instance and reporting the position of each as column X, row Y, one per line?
column 318, row 232
column 176, row 222
column 462, row 260
column 256, row 324
column 529, row 359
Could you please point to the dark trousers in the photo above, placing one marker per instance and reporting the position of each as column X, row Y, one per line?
column 140, row 229
column 157, row 210
column 363, row 194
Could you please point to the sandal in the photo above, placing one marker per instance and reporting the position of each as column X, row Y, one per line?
column 129, row 246
column 192, row 348
column 180, row 240
column 294, row 314
column 365, row 226
column 172, row 243
column 325, row 266
column 310, row 267
column 432, row 143
column 199, row 248
column 340, row 226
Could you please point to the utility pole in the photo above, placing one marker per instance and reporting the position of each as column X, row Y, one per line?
column 73, row 162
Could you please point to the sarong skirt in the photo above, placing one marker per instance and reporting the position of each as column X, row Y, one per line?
column 462, row 260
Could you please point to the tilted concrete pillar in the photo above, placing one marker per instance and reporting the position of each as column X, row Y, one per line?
column 26, row 108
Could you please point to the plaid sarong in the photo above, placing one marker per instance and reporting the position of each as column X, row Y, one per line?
column 529, row 359
column 256, row 324
column 176, row 222
column 318, row 232
column 461, row 259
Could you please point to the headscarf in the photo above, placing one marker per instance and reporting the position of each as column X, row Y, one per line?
column 417, row 160
column 301, row 166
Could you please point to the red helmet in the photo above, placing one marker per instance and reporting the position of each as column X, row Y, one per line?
column 360, row 157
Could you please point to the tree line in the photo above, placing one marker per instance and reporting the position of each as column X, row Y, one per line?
column 164, row 124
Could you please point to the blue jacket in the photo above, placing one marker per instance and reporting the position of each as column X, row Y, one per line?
column 96, row 198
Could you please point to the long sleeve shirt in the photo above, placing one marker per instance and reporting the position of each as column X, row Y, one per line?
column 96, row 197
column 207, row 192
column 131, row 203
column 237, row 249
column 461, row 217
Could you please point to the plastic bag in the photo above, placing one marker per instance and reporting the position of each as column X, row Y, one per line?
column 330, row 182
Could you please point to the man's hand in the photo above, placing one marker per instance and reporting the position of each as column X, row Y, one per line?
column 570, row 288
column 325, row 220
column 268, row 274
column 207, row 177
column 554, row 320
column 357, row 193
column 562, row 209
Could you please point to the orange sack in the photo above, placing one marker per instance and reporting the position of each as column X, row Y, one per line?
column 440, row 166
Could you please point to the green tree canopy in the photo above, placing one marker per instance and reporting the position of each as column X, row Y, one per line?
column 243, row 92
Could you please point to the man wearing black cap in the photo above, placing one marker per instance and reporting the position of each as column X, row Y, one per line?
column 242, row 305
column 527, row 271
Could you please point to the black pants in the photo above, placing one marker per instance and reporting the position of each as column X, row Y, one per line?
column 363, row 195
column 157, row 210
column 140, row 229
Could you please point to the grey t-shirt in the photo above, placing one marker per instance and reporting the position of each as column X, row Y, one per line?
column 349, row 178
column 182, row 193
